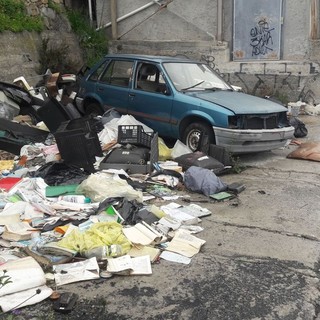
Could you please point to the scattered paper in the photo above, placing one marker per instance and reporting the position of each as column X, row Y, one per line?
column 141, row 233
column 25, row 273
column 174, row 257
column 185, row 243
column 133, row 266
column 119, row 264
column 77, row 271
column 24, row 298
column 152, row 252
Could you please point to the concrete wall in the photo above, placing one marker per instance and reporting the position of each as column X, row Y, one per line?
column 189, row 28
column 180, row 20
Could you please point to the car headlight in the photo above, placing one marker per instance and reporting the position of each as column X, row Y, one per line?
column 233, row 122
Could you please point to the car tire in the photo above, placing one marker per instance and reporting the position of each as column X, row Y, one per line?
column 93, row 109
column 193, row 133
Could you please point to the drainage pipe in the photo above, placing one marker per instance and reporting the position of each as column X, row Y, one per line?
column 130, row 14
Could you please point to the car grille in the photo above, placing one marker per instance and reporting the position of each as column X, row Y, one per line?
column 269, row 121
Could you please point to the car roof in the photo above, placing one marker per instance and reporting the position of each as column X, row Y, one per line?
column 153, row 58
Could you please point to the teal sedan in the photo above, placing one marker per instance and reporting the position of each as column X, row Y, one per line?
column 183, row 99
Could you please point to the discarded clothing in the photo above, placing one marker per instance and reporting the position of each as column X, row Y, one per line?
column 203, row 181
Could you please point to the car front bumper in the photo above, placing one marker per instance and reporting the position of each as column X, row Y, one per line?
column 247, row 141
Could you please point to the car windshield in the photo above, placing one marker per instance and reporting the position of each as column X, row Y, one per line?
column 194, row 76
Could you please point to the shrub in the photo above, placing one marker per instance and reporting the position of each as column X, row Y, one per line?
column 93, row 43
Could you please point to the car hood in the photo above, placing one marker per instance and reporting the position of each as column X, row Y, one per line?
column 240, row 103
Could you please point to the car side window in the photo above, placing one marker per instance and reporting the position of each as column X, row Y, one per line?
column 118, row 73
column 96, row 74
column 149, row 79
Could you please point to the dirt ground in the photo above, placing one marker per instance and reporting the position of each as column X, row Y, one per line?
column 260, row 259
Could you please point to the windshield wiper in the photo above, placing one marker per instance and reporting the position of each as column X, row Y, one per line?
column 195, row 85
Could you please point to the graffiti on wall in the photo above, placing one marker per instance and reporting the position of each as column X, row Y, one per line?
column 261, row 38
column 257, row 30
column 285, row 84
column 210, row 61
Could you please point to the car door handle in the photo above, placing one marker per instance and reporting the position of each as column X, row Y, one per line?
column 100, row 89
column 132, row 95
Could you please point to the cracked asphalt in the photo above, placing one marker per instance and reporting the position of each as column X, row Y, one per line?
column 260, row 260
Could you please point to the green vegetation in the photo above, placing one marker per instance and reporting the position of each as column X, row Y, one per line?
column 14, row 17
column 55, row 58
column 52, row 5
column 237, row 166
column 93, row 43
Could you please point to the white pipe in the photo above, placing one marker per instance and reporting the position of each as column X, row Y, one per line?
column 131, row 13
column 90, row 10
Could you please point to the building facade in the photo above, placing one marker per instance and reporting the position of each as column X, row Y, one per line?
column 266, row 47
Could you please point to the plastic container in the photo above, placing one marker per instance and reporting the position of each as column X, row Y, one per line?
column 103, row 252
column 78, row 143
column 134, row 134
column 75, row 198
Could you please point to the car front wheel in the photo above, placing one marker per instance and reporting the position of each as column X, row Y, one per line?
column 93, row 109
column 194, row 132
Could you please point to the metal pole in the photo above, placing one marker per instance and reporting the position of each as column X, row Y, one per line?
column 314, row 19
column 219, row 21
column 114, row 26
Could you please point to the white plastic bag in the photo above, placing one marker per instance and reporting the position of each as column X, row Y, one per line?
column 100, row 186
column 179, row 149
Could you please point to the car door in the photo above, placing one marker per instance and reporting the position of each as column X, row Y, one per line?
column 113, row 84
column 150, row 99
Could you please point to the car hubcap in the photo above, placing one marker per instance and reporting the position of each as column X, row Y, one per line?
column 193, row 139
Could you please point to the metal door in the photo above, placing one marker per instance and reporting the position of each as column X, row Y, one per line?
column 257, row 29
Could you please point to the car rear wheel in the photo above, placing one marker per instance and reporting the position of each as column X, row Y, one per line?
column 93, row 109
column 194, row 132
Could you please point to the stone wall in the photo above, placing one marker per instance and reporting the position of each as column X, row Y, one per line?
column 20, row 52
column 34, row 7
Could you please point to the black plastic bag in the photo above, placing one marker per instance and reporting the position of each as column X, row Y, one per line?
column 300, row 129
column 59, row 173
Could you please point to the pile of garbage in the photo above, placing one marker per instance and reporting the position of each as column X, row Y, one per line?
column 78, row 201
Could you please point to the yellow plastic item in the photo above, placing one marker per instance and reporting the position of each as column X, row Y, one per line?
column 100, row 234
column 61, row 229
column 164, row 150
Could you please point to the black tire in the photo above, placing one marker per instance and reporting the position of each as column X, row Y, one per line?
column 193, row 133
column 93, row 109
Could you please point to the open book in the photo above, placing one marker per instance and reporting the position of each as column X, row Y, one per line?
column 185, row 244
column 138, row 251
column 18, row 231
column 142, row 233
column 126, row 265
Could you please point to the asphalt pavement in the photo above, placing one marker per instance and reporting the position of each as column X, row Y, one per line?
column 260, row 259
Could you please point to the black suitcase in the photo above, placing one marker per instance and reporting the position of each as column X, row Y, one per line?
column 128, row 155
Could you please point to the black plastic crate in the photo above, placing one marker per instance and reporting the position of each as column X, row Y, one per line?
column 88, row 124
column 78, row 145
column 134, row 134
column 135, row 168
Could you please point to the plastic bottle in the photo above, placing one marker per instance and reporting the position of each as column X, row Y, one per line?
column 102, row 252
column 75, row 198
column 156, row 211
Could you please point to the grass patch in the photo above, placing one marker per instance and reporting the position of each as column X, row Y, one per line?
column 93, row 43
column 14, row 17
